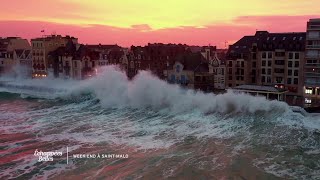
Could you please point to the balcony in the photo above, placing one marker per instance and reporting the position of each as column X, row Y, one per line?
column 312, row 56
column 313, row 46
column 312, row 65
column 312, row 74
column 312, row 83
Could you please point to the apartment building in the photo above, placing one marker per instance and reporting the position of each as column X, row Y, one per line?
column 215, row 59
column 239, row 58
column 312, row 64
column 41, row 47
column 8, row 52
column 269, row 59
column 280, row 61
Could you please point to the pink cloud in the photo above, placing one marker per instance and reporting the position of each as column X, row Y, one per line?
column 276, row 23
column 142, row 27
column 215, row 34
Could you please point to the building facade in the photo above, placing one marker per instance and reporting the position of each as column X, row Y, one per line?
column 10, row 49
column 215, row 60
column 23, row 58
column 41, row 47
column 312, row 65
column 269, row 59
column 191, row 71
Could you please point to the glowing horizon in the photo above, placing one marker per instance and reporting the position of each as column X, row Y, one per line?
column 191, row 22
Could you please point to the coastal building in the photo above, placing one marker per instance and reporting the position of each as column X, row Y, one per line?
column 155, row 57
column 23, row 58
column 312, row 65
column 41, row 47
column 270, row 92
column 191, row 71
column 269, row 59
column 81, row 64
column 8, row 52
column 215, row 60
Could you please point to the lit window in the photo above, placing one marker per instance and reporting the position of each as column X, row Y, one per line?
column 307, row 101
column 308, row 91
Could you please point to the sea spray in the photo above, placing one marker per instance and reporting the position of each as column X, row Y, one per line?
column 161, row 127
column 113, row 89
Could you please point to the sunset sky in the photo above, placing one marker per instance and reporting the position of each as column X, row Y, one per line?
column 138, row 22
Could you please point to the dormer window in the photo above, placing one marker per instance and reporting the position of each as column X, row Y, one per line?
column 178, row 68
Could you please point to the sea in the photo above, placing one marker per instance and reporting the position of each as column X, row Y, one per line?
column 109, row 127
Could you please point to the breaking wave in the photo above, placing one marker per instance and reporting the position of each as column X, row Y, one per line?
column 113, row 89
column 147, row 113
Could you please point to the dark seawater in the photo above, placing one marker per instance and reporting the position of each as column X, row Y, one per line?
column 167, row 132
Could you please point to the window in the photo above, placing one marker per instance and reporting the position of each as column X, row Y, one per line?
column 263, row 63
column 297, row 56
column 173, row 78
column 254, row 56
column 263, row 79
column 254, row 64
column 279, row 54
column 230, row 78
column 289, row 81
column 279, row 62
column 253, row 79
column 242, row 64
column 308, row 91
column 290, row 55
column 183, row 79
column 264, row 55
column 279, row 79
column 277, row 70
column 296, row 73
column 269, row 71
column 230, row 63
column 75, row 64
column 296, row 64
column 295, row 81
column 263, row 71
column 269, row 63
column 230, row 70
column 268, row 79
column 289, row 72
column 289, row 63
column 270, row 55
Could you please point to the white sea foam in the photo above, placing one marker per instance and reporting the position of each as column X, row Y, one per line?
column 113, row 89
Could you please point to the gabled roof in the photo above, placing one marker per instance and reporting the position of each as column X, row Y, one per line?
column 192, row 62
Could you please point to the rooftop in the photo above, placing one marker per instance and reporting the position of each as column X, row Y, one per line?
column 259, row 88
